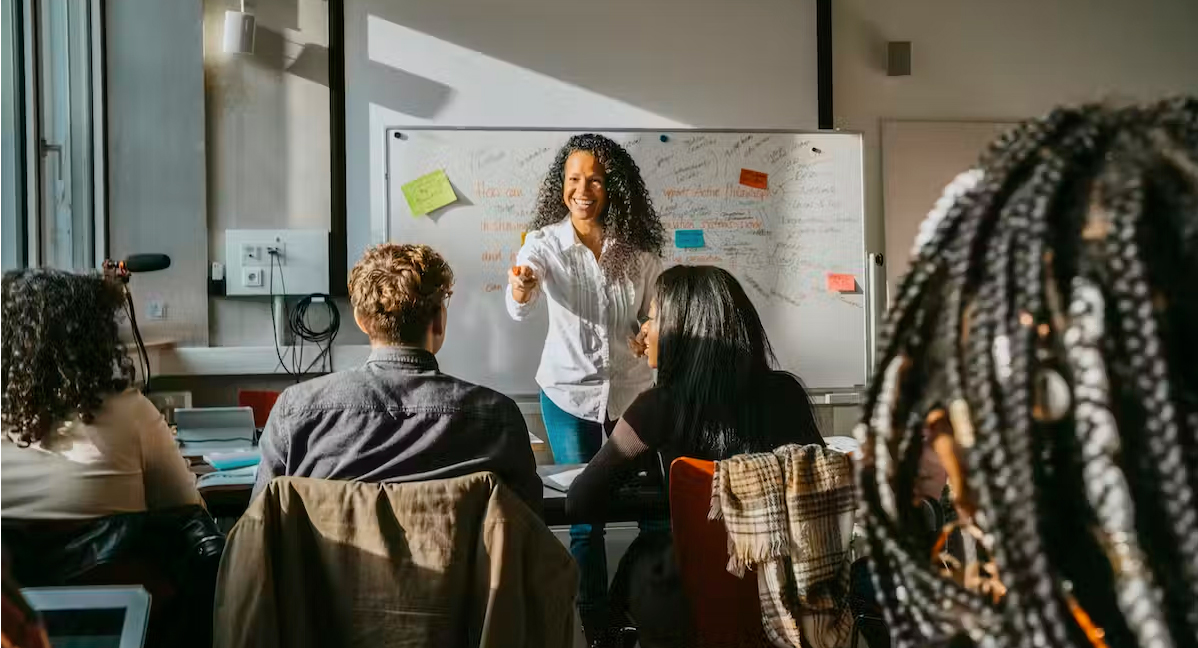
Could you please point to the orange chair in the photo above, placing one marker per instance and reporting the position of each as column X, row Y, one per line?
column 262, row 401
column 726, row 609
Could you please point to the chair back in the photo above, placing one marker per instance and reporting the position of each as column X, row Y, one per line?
column 460, row 561
column 726, row 609
column 172, row 553
column 262, row 401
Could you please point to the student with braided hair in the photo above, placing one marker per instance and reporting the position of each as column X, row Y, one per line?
column 1043, row 344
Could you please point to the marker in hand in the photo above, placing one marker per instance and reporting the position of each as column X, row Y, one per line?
column 523, row 281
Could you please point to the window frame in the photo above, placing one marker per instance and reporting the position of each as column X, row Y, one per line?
column 31, row 206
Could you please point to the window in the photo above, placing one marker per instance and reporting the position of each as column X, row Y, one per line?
column 53, row 153
column 12, row 143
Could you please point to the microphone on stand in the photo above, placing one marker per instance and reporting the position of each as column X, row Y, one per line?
column 145, row 262
column 121, row 270
column 137, row 263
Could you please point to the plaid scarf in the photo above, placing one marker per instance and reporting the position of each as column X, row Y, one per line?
column 789, row 515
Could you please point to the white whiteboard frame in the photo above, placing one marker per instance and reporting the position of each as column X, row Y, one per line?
column 872, row 316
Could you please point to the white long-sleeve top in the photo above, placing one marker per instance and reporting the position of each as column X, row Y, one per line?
column 586, row 366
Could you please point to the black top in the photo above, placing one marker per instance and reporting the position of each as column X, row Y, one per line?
column 397, row 419
column 644, row 439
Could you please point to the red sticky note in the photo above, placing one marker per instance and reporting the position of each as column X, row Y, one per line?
column 755, row 179
column 841, row 282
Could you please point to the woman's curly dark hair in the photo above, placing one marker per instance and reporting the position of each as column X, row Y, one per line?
column 62, row 351
column 629, row 220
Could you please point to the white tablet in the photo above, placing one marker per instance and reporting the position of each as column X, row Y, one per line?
column 92, row 617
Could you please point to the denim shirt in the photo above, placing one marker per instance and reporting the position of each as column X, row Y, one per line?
column 397, row 419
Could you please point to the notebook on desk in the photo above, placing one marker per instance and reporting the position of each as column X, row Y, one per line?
column 561, row 481
column 208, row 430
column 236, row 478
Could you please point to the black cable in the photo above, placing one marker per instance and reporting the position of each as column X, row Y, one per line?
column 142, row 355
column 297, row 322
column 274, row 329
column 299, row 327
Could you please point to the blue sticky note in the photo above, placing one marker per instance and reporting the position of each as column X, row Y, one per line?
column 688, row 239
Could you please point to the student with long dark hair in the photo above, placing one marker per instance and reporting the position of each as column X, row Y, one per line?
column 717, row 395
column 1044, row 344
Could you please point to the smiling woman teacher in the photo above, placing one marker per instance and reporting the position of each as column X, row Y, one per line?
column 594, row 250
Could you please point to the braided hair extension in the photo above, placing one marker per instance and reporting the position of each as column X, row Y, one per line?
column 630, row 222
column 62, row 349
column 1068, row 255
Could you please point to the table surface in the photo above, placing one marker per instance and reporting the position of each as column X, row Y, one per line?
column 632, row 505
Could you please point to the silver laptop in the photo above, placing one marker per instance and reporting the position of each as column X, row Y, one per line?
column 92, row 617
column 205, row 430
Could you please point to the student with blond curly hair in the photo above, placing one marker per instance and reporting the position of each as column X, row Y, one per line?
column 398, row 418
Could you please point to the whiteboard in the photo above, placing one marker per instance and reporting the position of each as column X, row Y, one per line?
column 781, row 242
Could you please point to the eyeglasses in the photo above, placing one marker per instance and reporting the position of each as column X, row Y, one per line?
column 643, row 320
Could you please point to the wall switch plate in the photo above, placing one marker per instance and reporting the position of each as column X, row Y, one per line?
column 167, row 402
column 253, row 255
column 155, row 308
column 300, row 262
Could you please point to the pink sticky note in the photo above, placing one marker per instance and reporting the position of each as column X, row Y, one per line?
column 841, row 282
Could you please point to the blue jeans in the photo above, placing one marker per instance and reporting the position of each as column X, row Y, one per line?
column 576, row 440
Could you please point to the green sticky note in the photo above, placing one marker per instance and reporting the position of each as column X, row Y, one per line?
column 429, row 192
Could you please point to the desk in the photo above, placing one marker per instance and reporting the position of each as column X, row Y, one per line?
column 631, row 506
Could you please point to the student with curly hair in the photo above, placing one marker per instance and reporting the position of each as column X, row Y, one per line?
column 1043, row 344
column 398, row 418
column 78, row 442
column 594, row 250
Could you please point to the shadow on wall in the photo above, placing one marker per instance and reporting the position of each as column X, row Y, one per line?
column 706, row 63
column 312, row 64
column 274, row 51
column 268, row 157
column 407, row 93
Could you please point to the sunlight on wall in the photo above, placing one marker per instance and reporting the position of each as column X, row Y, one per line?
column 434, row 82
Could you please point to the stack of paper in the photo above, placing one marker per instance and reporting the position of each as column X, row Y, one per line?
column 232, row 460
column 237, row 477
column 562, row 480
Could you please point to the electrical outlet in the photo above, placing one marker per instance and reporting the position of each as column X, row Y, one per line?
column 155, row 309
column 252, row 277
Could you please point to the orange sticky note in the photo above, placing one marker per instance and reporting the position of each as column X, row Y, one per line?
column 522, row 235
column 841, row 282
column 755, row 179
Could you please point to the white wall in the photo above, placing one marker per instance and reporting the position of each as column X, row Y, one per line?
column 268, row 133
column 156, row 161
column 548, row 63
column 1000, row 60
